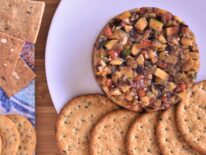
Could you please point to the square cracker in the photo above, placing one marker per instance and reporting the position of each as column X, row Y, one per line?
column 10, row 49
column 21, row 18
column 21, row 77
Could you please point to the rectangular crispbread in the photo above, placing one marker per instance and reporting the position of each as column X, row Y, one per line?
column 21, row 18
column 20, row 78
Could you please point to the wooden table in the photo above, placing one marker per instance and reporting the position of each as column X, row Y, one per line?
column 45, row 112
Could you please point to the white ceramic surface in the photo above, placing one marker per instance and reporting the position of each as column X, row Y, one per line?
column 75, row 27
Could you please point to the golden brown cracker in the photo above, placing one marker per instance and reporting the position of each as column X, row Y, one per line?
column 76, row 121
column 10, row 136
column 141, row 138
column 19, row 79
column 27, row 135
column 191, row 117
column 109, row 135
column 169, row 139
column 21, row 18
column 10, row 49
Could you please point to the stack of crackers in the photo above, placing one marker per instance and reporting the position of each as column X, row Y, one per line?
column 145, row 61
column 20, row 23
column 17, row 136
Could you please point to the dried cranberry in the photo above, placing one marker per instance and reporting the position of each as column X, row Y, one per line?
column 141, row 93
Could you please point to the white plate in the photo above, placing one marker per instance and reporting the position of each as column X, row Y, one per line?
column 75, row 27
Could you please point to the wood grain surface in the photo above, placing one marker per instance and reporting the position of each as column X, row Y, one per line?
column 45, row 112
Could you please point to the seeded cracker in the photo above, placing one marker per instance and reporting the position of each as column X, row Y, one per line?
column 141, row 138
column 169, row 139
column 9, row 135
column 191, row 117
column 21, row 18
column 109, row 135
column 77, row 119
column 10, row 49
column 27, row 135
column 0, row 144
column 20, row 78
column 144, row 58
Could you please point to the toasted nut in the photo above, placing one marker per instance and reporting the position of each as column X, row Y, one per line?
column 161, row 74
column 171, row 86
column 178, row 19
column 145, row 101
column 153, row 56
column 128, row 28
column 116, row 92
column 117, row 61
column 172, row 31
column 124, row 15
column 110, row 44
column 187, row 42
column 141, row 24
column 162, row 39
column 140, row 59
column 135, row 49
column 125, row 88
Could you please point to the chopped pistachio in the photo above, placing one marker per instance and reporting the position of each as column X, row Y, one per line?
column 117, row 61
column 110, row 44
column 126, row 52
column 156, row 25
column 141, row 24
column 140, row 59
column 161, row 74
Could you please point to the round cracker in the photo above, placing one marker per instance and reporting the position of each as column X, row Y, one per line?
column 191, row 117
column 76, row 121
column 109, row 135
column 141, row 138
column 9, row 135
column 0, row 144
column 27, row 133
column 143, row 58
column 169, row 140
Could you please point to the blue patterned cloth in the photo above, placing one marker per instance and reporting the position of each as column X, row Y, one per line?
column 23, row 102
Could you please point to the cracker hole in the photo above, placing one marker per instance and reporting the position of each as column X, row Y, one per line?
column 148, row 150
column 171, row 152
column 141, row 127
column 122, row 132
column 185, row 120
column 114, row 120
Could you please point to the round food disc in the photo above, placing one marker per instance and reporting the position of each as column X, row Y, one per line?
column 191, row 117
column 141, row 138
column 143, row 58
column 109, row 135
column 27, row 135
column 168, row 137
column 77, row 119
column 9, row 136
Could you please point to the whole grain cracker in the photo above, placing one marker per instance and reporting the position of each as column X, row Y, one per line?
column 20, row 78
column 141, row 138
column 21, row 18
column 191, row 117
column 9, row 135
column 27, row 135
column 10, row 49
column 109, row 135
column 76, row 121
column 169, row 139
column 0, row 144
